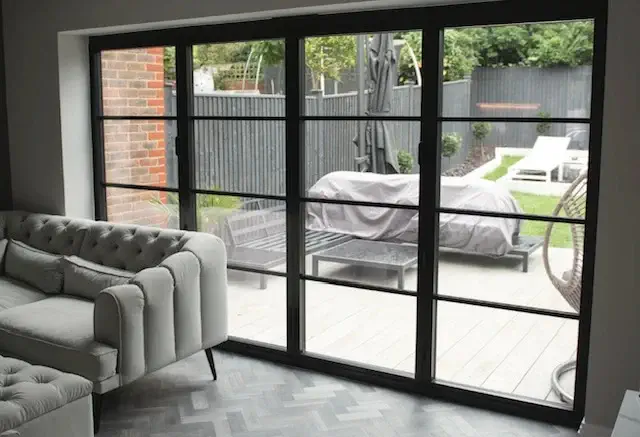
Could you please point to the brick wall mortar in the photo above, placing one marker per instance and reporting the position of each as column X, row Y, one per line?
column 133, row 84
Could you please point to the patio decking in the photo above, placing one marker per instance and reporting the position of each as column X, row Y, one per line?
column 492, row 349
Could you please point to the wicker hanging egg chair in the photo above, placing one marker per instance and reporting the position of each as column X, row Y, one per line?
column 572, row 205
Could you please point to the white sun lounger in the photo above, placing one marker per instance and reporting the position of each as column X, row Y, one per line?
column 548, row 153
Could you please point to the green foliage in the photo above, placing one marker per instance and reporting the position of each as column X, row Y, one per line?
column 406, row 68
column 540, row 45
column 325, row 55
column 169, row 63
column 543, row 127
column 405, row 161
column 208, row 55
column 481, row 130
column 562, row 44
column 501, row 46
column 460, row 57
column 210, row 207
column 450, row 144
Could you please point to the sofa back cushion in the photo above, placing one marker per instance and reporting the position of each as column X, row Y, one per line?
column 49, row 233
column 34, row 267
column 129, row 247
column 85, row 279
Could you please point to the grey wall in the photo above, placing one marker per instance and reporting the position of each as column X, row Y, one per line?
column 34, row 120
column 39, row 131
column 614, row 363
column 5, row 169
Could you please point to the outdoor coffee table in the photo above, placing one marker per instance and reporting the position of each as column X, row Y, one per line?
column 366, row 253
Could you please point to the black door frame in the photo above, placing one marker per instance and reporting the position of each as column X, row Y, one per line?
column 432, row 21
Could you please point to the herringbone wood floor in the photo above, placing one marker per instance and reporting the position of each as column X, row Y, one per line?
column 259, row 399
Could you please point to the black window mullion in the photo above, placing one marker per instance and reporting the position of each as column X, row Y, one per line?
column 184, row 140
column 429, row 161
column 97, row 133
column 295, row 165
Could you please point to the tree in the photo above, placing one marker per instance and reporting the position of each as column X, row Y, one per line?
column 326, row 56
column 501, row 46
column 406, row 68
column 460, row 56
column 562, row 44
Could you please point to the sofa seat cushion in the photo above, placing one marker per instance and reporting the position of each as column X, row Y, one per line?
column 57, row 332
column 14, row 293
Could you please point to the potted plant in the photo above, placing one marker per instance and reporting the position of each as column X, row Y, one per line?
column 450, row 144
column 543, row 127
column 405, row 161
column 480, row 131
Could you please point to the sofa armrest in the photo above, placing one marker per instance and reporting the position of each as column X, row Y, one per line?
column 118, row 321
column 211, row 253
column 137, row 319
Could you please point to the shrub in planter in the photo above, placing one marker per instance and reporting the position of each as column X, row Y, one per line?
column 543, row 127
column 480, row 131
column 405, row 161
column 450, row 144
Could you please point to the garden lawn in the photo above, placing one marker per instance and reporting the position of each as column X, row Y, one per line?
column 501, row 170
column 534, row 204
column 542, row 205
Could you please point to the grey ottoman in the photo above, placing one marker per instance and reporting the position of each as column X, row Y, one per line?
column 37, row 401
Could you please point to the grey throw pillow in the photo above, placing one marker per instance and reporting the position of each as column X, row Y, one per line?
column 37, row 268
column 86, row 279
column 3, row 248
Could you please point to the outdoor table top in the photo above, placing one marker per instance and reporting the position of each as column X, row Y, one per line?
column 371, row 253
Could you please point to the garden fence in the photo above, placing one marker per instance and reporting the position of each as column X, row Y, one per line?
column 249, row 155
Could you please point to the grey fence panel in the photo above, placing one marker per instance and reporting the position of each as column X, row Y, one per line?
column 527, row 91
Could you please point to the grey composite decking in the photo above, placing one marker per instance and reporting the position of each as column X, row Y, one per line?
column 491, row 349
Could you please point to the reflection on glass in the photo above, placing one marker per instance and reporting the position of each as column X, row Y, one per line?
column 239, row 79
column 140, row 152
column 511, row 167
column 346, row 75
column 253, row 230
column 257, row 314
column 143, row 207
column 371, row 328
column 240, row 156
column 138, row 81
column 503, row 351
column 526, row 70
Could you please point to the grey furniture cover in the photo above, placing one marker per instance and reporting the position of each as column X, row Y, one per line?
column 482, row 235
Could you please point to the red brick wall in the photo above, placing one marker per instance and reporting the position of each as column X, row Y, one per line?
column 133, row 84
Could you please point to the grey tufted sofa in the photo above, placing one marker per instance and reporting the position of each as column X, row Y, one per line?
column 174, row 306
